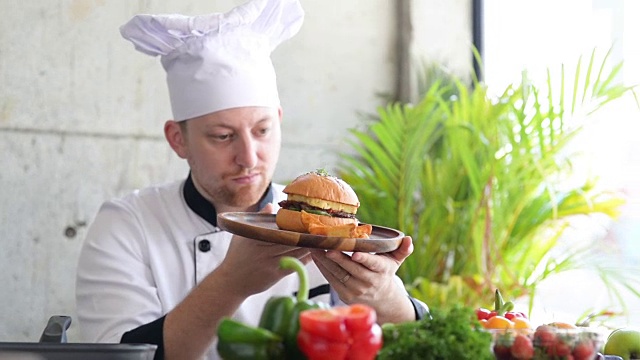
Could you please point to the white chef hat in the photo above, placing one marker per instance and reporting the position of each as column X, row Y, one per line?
column 218, row 61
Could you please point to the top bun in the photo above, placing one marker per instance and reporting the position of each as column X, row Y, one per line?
column 323, row 187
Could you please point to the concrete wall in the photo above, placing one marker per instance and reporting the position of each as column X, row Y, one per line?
column 81, row 116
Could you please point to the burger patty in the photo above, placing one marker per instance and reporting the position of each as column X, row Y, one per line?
column 299, row 205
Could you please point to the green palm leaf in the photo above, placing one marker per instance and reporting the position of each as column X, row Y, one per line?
column 478, row 182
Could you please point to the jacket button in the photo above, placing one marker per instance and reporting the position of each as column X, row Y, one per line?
column 204, row 245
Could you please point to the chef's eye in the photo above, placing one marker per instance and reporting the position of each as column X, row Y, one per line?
column 221, row 136
column 263, row 131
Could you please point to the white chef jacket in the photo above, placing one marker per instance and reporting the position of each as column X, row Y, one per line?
column 145, row 252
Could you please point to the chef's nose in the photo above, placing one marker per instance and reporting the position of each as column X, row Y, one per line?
column 246, row 152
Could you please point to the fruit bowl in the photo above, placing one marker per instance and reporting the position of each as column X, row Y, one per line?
column 547, row 342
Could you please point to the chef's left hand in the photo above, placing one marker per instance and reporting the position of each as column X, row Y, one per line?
column 369, row 279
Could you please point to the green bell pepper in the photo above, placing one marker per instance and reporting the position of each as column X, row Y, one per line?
column 281, row 315
column 238, row 341
column 275, row 312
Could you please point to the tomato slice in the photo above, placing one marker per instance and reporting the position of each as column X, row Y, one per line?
column 357, row 317
column 320, row 348
column 326, row 323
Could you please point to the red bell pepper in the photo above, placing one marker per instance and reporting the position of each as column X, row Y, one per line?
column 340, row 333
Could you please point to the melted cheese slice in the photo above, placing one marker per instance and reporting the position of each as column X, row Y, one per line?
column 324, row 204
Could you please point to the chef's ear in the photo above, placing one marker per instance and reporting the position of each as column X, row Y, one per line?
column 280, row 113
column 175, row 133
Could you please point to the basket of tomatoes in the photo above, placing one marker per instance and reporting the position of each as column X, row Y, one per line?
column 547, row 341
column 514, row 337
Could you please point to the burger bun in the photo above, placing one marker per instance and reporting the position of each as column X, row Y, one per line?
column 327, row 188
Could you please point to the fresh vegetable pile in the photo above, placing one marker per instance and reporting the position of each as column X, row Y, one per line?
column 296, row 328
column 276, row 334
column 446, row 335
column 293, row 328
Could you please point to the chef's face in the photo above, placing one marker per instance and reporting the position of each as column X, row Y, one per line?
column 232, row 154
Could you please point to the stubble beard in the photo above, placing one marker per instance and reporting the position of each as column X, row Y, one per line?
column 242, row 197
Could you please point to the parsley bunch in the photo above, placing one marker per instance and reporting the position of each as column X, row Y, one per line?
column 447, row 335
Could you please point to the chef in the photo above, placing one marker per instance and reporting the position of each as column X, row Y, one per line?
column 155, row 267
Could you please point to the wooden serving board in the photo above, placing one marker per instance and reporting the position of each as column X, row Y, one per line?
column 263, row 227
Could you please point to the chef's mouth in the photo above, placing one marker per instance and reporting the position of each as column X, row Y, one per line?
column 245, row 179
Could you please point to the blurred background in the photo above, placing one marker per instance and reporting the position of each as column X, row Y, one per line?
column 521, row 36
column 82, row 112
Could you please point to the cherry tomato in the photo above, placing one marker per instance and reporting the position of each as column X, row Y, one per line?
column 510, row 315
column 544, row 336
column 482, row 313
column 514, row 315
column 584, row 351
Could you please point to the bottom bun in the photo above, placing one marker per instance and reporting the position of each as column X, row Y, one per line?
column 292, row 221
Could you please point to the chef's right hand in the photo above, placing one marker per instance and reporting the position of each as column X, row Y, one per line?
column 255, row 265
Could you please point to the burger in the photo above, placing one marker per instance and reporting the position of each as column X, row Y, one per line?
column 318, row 203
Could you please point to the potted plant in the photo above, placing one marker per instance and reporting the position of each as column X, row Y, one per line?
column 480, row 182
